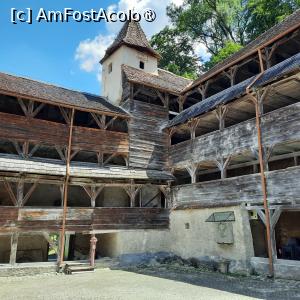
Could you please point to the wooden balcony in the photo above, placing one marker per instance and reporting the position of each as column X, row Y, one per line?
column 278, row 126
column 282, row 188
column 31, row 219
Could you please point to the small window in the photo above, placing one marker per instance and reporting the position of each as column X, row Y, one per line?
column 142, row 65
column 110, row 68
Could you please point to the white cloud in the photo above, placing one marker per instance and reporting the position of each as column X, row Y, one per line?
column 90, row 51
column 158, row 6
column 201, row 51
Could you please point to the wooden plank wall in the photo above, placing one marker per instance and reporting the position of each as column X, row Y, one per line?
column 148, row 144
column 282, row 187
column 279, row 126
column 14, row 219
column 38, row 131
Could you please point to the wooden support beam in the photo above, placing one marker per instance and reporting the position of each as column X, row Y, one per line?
column 222, row 165
column 274, row 217
column 162, row 98
column 36, row 111
column 23, row 107
column 181, row 100
column 61, row 153
column 65, row 191
column 33, row 150
column 202, row 89
column 166, row 190
column 192, row 169
column 193, row 124
column 110, row 122
column 53, row 244
column 220, row 113
column 10, row 192
column 66, row 114
column 109, row 159
column 100, row 120
column 13, row 248
column 132, row 191
column 100, row 159
column 93, row 192
column 28, row 194
column 230, row 74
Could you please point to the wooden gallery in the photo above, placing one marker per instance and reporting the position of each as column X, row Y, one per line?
column 206, row 169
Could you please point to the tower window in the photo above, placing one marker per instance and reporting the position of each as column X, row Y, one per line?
column 142, row 65
column 110, row 68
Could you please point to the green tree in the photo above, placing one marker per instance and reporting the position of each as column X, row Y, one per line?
column 223, row 26
column 212, row 22
column 177, row 52
column 229, row 48
column 263, row 14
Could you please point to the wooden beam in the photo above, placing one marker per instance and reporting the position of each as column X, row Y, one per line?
column 11, row 194
column 65, row 191
column 13, row 248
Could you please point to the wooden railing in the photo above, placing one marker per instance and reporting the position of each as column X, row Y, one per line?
column 279, row 126
column 29, row 219
column 283, row 187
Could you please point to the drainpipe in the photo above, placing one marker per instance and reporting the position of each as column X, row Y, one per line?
column 262, row 168
column 65, row 192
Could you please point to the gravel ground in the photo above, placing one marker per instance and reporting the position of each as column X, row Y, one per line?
column 161, row 282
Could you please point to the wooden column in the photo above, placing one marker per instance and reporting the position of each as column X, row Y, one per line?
column 13, row 248
column 93, row 192
column 222, row 165
column 274, row 217
column 193, row 126
column 220, row 114
column 166, row 190
column 192, row 169
column 202, row 89
column 132, row 191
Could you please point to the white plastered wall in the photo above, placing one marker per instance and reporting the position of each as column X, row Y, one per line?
column 112, row 82
column 198, row 239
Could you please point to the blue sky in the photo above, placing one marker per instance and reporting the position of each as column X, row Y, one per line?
column 66, row 54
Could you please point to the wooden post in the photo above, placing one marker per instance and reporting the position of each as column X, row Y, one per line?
column 275, row 215
column 65, row 192
column 264, row 185
column 220, row 114
column 192, row 169
column 222, row 166
column 132, row 191
column 13, row 248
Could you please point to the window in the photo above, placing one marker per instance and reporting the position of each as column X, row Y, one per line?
column 110, row 68
column 142, row 65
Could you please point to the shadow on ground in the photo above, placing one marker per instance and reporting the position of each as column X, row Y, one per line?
column 252, row 286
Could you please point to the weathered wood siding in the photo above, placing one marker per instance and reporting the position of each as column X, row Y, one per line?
column 282, row 187
column 36, row 131
column 148, row 144
column 82, row 219
column 278, row 126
